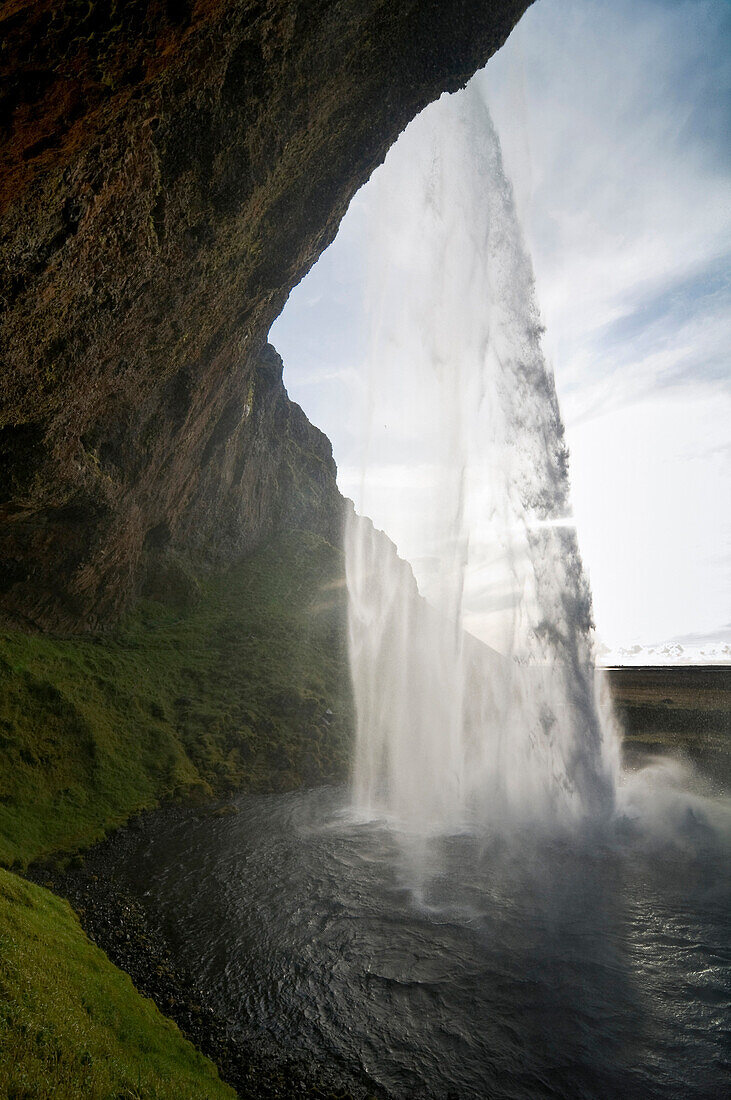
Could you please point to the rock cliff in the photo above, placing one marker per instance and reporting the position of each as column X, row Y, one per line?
column 169, row 169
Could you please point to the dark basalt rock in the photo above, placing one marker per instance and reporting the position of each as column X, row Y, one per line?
column 169, row 169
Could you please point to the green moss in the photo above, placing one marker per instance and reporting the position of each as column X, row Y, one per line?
column 73, row 1025
column 229, row 692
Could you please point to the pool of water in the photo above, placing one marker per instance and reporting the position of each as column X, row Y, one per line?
column 471, row 967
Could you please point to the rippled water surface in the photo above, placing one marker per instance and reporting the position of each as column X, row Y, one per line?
column 465, row 967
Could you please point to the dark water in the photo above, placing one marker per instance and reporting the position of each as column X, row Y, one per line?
column 468, row 967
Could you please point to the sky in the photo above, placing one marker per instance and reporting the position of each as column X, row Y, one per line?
column 613, row 118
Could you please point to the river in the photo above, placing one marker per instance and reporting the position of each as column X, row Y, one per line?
column 470, row 966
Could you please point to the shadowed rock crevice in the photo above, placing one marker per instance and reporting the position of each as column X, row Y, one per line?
column 169, row 171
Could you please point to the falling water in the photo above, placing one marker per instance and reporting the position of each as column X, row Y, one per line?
column 453, row 734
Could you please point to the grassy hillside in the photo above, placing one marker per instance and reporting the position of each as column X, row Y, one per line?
column 73, row 1025
column 683, row 709
column 232, row 689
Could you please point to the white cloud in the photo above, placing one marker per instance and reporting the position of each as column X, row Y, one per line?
column 621, row 194
column 651, row 492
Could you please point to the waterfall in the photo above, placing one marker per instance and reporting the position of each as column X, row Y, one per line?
column 453, row 733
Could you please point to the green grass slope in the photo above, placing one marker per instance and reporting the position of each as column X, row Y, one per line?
column 72, row 1025
column 231, row 690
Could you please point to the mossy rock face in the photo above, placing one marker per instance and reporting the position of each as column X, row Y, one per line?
column 186, row 699
column 72, row 1025
column 168, row 172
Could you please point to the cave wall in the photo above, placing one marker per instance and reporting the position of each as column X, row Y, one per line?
column 169, row 169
